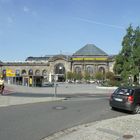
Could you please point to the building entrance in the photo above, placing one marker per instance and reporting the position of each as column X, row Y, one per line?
column 59, row 70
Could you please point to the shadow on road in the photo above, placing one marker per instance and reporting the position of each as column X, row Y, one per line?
column 29, row 95
column 39, row 95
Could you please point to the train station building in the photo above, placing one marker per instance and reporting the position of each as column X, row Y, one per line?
column 35, row 70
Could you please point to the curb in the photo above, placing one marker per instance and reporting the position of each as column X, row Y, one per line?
column 113, row 88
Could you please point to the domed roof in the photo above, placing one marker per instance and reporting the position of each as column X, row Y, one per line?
column 90, row 50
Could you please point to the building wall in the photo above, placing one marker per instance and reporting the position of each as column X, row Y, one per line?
column 49, row 68
column 95, row 65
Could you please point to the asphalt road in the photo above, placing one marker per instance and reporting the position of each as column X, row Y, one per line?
column 36, row 121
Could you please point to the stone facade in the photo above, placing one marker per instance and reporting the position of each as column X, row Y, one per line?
column 36, row 70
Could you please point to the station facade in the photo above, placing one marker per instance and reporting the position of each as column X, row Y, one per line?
column 36, row 70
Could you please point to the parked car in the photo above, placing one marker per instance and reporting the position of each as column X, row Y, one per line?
column 127, row 98
column 48, row 84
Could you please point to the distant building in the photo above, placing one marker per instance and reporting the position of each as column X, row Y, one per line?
column 54, row 67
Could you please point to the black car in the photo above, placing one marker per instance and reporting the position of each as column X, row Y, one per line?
column 127, row 98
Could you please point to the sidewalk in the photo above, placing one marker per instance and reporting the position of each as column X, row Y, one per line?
column 16, row 95
column 121, row 128
column 14, row 100
column 63, row 89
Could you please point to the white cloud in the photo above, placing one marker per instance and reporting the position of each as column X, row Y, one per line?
column 100, row 23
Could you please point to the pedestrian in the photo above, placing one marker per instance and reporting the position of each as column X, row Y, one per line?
column 1, row 85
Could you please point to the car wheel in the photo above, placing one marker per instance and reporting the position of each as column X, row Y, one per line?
column 137, row 109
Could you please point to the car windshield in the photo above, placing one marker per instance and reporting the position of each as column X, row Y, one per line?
column 124, row 91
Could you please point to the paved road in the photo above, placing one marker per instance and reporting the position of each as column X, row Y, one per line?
column 36, row 121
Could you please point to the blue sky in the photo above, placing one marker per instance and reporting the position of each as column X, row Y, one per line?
column 46, row 27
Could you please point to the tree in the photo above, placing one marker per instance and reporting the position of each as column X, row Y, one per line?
column 127, row 61
column 87, row 76
column 118, row 67
column 124, row 61
column 136, row 52
column 70, row 75
column 99, row 76
column 110, row 75
column 78, row 76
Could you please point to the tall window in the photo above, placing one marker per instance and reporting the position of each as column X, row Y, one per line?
column 78, row 70
column 37, row 72
column 102, row 70
column 17, row 72
column 23, row 72
column 30, row 72
column 59, row 69
column 44, row 73
column 89, row 70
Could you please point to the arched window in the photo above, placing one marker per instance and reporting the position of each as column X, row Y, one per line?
column 102, row 70
column 89, row 70
column 23, row 72
column 59, row 69
column 4, row 73
column 17, row 72
column 78, row 70
column 44, row 73
column 37, row 72
column 30, row 72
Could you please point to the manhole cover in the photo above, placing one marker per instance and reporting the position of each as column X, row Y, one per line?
column 127, row 136
column 59, row 107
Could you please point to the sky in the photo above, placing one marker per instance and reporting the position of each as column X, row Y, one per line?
column 48, row 27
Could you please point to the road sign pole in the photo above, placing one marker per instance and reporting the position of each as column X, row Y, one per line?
column 55, row 90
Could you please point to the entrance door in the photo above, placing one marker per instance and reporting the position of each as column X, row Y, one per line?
column 60, row 71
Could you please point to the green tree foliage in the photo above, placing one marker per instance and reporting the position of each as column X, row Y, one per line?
column 110, row 75
column 70, row 75
column 78, row 76
column 99, row 76
column 136, row 51
column 127, row 61
column 87, row 76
